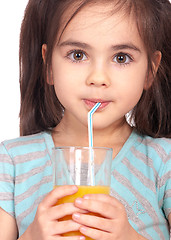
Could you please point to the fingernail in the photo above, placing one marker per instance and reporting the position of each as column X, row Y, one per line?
column 74, row 188
column 82, row 238
column 76, row 215
column 86, row 197
column 83, row 229
column 79, row 200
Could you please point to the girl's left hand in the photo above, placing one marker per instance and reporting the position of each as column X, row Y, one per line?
column 110, row 225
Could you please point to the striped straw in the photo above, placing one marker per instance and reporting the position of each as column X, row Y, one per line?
column 90, row 123
column 90, row 136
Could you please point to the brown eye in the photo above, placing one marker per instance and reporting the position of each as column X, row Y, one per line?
column 78, row 56
column 121, row 58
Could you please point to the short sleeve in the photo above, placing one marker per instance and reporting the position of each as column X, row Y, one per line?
column 165, row 186
column 7, row 173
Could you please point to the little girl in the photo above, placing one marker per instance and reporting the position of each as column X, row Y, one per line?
column 73, row 54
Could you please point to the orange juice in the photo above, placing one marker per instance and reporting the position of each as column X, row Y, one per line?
column 82, row 190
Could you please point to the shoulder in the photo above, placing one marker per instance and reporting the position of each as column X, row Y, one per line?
column 160, row 146
column 35, row 144
column 156, row 150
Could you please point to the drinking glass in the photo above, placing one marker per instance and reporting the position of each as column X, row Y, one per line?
column 87, row 167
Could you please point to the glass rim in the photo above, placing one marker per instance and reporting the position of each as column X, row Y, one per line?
column 80, row 147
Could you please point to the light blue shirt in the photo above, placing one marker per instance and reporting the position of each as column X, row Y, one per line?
column 140, row 179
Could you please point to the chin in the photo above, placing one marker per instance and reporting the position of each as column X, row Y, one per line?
column 100, row 126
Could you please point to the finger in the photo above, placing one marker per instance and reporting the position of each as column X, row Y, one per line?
column 103, row 198
column 70, row 238
column 95, row 233
column 62, row 227
column 57, row 193
column 94, row 221
column 62, row 210
column 97, row 207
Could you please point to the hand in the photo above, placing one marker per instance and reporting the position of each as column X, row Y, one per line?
column 110, row 222
column 46, row 225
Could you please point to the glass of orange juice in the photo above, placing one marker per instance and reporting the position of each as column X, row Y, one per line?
column 88, row 168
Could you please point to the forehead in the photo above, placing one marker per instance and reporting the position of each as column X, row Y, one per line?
column 100, row 21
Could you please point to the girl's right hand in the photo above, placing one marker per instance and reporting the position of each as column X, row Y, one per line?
column 46, row 225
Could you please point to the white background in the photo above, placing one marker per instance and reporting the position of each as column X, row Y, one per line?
column 11, row 14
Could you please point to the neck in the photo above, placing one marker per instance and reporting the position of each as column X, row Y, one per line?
column 69, row 134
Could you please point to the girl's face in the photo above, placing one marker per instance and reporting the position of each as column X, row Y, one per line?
column 99, row 58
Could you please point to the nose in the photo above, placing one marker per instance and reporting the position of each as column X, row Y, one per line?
column 98, row 78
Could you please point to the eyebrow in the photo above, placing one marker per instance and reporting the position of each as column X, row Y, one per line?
column 75, row 44
column 125, row 46
column 116, row 47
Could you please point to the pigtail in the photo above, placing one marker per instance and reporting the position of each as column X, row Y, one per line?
column 37, row 111
column 31, row 65
column 152, row 115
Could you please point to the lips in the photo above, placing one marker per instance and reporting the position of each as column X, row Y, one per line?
column 91, row 102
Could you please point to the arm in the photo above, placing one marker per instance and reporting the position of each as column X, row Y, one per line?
column 45, row 224
column 8, row 227
column 169, row 219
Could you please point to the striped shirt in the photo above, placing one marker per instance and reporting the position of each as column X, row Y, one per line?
column 141, row 180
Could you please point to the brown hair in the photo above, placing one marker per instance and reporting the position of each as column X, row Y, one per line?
column 40, row 108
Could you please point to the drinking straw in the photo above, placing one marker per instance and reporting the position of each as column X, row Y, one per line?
column 90, row 136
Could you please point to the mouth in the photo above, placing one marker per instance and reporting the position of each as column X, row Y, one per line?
column 91, row 102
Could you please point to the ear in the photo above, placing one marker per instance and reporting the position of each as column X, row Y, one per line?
column 44, row 50
column 49, row 77
column 156, row 59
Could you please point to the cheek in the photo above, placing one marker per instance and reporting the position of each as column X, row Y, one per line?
column 135, row 81
column 60, row 78
column 67, row 80
column 133, row 96
column 65, row 86
column 61, row 89
column 134, row 91
column 131, row 91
